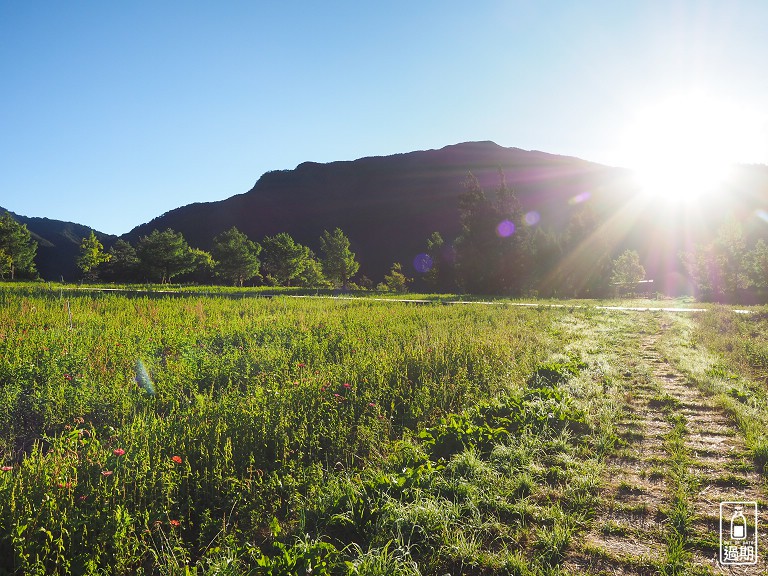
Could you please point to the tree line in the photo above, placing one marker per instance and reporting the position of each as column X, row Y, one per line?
column 499, row 251
column 163, row 256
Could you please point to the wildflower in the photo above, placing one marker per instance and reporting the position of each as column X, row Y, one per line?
column 175, row 523
column 118, row 451
column 106, row 472
column 322, row 388
column 6, row 468
column 83, row 498
column 176, row 459
column 301, row 364
column 67, row 377
column 372, row 404
column 347, row 385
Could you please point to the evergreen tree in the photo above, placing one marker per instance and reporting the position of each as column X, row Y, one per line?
column 123, row 264
column 237, row 257
column 283, row 258
column 396, row 281
column 6, row 262
column 339, row 264
column 512, row 254
column 720, row 269
column 756, row 264
column 92, row 255
column 312, row 275
column 435, row 246
column 17, row 244
column 163, row 255
column 475, row 240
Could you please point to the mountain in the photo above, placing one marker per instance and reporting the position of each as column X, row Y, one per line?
column 389, row 205
column 58, row 245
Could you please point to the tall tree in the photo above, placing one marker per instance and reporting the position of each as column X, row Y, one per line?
column 312, row 275
column 237, row 257
column 475, row 239
column 17, row 244
column 339, row 264
column 627, row 271
column 5, row 264
column 123, row 265
column 719, row 269
column 512, row 255
column 756, row 263
column 91, row 256
column 283, row 259
column 163, row 255
column 435, row 245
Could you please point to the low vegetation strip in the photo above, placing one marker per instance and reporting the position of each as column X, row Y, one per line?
column 210, row 435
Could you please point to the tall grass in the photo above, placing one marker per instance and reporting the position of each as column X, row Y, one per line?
column 268, row 416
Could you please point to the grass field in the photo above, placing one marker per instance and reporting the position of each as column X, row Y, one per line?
column 218, row 435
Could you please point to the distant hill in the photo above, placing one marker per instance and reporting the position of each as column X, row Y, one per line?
column 389, row 205
column 58, row 245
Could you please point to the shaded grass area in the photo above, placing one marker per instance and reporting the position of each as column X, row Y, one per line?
column 291, row 436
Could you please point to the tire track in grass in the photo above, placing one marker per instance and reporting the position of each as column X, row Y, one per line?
column 626, row 535
column 718, row 467
column 680, row 456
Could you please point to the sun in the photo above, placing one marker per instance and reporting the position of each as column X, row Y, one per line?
column 684, row 147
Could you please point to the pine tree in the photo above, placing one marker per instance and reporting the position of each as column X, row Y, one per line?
column 17, row 244
column 283, row 259
column 163, row 255
column 123, row 265
column 237, row 257
column 339, row 264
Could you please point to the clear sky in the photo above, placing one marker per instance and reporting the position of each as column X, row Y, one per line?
column 112, row 113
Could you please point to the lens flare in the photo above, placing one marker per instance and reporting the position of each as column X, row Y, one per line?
column 143, row 379
column 422, row 263
column 505, row 228
column 762, row 214
column 532, row 218
column 579, row 198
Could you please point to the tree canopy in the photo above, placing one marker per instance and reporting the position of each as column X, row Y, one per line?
column 91, row 255
column 236, row 256
column 339, row 264
column 163, row 255
column 17, row 249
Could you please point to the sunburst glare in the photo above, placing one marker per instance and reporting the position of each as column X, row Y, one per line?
column 684, row 147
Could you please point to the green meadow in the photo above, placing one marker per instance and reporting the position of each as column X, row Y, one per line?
column 213, row 435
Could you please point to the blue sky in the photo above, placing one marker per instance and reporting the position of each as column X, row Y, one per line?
column 113, row 113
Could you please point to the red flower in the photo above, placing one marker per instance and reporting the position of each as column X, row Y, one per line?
column 347, row 385
column 176, row 459
column 6, row 468
column 67, row 377
column 372, row 404
column 118, row 451
column 301, row 364
column 175, row 523
column 106, row 472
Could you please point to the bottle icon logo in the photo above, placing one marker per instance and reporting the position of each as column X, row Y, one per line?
column 738, row 533
column 738, row 524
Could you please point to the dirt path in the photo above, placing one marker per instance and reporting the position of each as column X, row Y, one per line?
column 680, row 457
